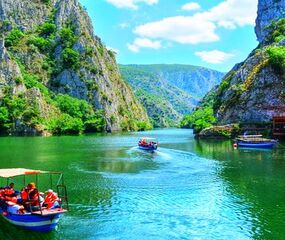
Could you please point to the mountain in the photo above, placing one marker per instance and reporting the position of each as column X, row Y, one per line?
column 254, row 90
column 56, row 76
column 169, row 91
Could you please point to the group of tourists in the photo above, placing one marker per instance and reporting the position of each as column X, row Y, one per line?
column 29, row 199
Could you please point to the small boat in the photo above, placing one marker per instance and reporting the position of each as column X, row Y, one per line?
column 148, row 144
column 43, row 219
column 255, row 141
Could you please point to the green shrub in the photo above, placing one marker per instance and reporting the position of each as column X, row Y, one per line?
column 14, row 37
column 74, row 107
column 277, row 57
column 199, row 119
column 143, row 126
column 47, row 29
column 65, row 124
column 39, row 42
column 68, row 37
column 30, row 80
column 70, row 58
column 96, row 123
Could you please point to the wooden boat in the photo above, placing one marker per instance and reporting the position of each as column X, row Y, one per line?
column 148, row 144
column 255, row 141
column 42, row 220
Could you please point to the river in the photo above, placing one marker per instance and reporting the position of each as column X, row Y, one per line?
column 188, row 189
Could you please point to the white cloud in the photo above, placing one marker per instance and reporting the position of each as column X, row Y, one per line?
column 131, row 4
column 214, row 57
column 201, row 27
column 185, row 30
column 236, row 12
column 143, row 43
column 191, row 6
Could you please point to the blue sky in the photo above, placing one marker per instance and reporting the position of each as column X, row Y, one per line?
column 215, row 34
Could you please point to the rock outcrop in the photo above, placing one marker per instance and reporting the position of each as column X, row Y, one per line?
column 254, row 90
column 268, row 11
column 49, row 45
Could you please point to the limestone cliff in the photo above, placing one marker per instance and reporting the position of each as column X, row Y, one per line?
column 48, row 52
column 254, row 90
column 268, row 10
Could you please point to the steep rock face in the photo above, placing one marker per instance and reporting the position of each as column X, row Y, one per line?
column 169, row 91
column 68, row 60
column 254, row 91
column 268, row 10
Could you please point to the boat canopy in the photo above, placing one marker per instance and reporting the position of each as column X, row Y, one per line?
column 13, row 172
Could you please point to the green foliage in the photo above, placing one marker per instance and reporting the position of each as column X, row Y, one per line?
column 144, row 126
column 65, row 124
column 199, row 119
column 277, row 57
column 30, row 80
column 14, row 37
column 40, row 42
column 47, row 29
column 68, row 37
column 276, row 31
column 80, row 109
column 74, row 107
column 101, row 50
column 4, row 117
column 95, row 123
column 70, row 58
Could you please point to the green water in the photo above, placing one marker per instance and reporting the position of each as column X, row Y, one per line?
column 187, row 190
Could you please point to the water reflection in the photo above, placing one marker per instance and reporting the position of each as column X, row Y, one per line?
column 257, row 176
column 187, row 190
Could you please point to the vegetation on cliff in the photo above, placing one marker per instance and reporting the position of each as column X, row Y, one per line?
column 253, row 91
column 168, row 92
column 56, row 76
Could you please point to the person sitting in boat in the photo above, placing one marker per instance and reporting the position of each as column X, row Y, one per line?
column 51, row 200
column 3, row 204
column 24, row 196
column 35, row 199
column 14, row 208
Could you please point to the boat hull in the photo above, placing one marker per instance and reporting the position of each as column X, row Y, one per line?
column 256, row 145
column 148, row 148
column 34, row 222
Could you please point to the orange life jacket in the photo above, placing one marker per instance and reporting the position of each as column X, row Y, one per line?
column 50, row 199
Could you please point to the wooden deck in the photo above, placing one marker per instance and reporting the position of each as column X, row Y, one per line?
column 48, row 212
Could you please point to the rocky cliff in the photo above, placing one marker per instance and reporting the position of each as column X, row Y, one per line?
column 254, row 90
column 169, row 91
column 55, row 74
column 268, row 11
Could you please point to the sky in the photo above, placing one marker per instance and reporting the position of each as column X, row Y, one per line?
column 209, row 33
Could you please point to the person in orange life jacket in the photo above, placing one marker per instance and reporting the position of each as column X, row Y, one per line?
column 24, row 196
column 36, row 199
column 51, row 200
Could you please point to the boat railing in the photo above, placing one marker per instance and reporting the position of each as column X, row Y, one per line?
column 62, row 195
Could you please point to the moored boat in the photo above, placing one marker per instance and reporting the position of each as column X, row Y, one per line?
column 255, row 141
column 148, row 144
column 43, row 219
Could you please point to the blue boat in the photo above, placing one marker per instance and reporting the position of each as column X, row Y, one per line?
column 255, row 141
column 256, row 145
column 148, row 144
column 41, row 220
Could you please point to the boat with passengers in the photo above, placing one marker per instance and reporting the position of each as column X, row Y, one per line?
column 148, row 144
column 255, row 141
column 21, row 210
